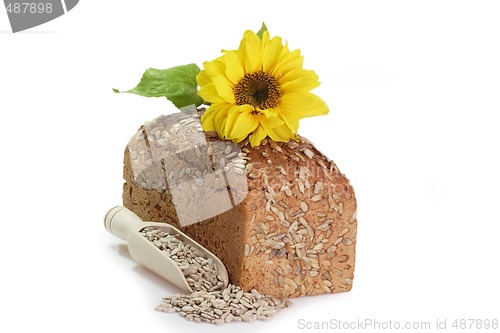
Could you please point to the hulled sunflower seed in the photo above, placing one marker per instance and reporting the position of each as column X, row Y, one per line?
column 316, row 197
column 281, row 169
column 197, row 151
column 345, row 231
column 347, row 241
column 308, row 153
column 317, row 187
column 342, row 258
column 353, row 217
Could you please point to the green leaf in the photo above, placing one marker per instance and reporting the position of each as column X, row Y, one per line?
column 177, row 84
column 260, row 33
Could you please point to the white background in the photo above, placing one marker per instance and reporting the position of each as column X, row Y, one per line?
column 413, row 88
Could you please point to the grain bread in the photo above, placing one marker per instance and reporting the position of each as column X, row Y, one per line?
column 292, row 234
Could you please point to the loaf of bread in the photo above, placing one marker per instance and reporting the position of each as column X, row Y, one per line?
column 291, row 230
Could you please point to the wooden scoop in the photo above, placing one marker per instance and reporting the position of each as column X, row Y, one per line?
column 126, row 225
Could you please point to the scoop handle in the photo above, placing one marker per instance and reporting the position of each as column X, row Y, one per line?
column 120, row 221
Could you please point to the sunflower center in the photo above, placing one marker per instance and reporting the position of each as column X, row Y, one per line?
column 258, row 89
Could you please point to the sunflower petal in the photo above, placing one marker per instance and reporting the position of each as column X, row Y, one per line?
column 302, row 105
column 253, row 52
column 232, row 115
column 269, row 113
column 285, row 50
column 244, row 124
column 265, row 37
column 224, row 88
column 292, row 123
column 210, row 94
column 207, row 120
column 280, row 133
column 215, row 67
column 298, row 73
column 234, row 68
column 317, row 106
column 257, row 136
column 299, row 85
column 270, row 122
column 221, row 129
column 290, row 62
column 271, row 53
column 203, row 78
column 309, row 77
column 220, row 120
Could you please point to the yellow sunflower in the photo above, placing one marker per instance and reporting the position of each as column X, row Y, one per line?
column 258, row 90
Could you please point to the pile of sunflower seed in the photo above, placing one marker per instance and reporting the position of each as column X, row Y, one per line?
column 224, row 306
column 201, row 273
column 210, row 302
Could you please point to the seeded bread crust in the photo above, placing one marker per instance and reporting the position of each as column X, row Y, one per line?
column 294, row 233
